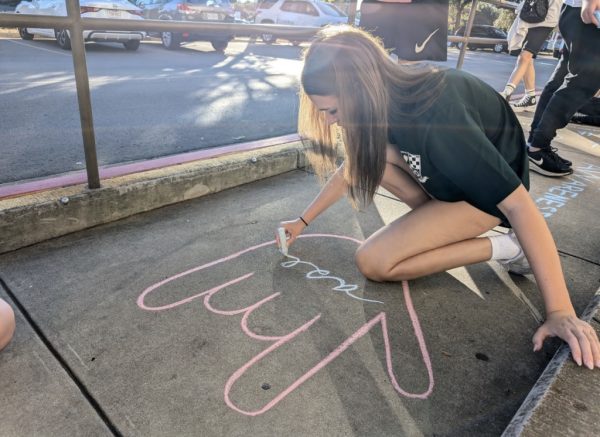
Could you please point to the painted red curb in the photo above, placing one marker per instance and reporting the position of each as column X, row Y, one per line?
column 80, row 177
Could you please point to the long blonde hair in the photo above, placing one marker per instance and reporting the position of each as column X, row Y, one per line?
column 352, row 65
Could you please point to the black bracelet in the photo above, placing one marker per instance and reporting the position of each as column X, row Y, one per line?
column 303, row 221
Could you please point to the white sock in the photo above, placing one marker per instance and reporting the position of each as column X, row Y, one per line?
column 530, row 93
column 509, row 89
column 504, row 246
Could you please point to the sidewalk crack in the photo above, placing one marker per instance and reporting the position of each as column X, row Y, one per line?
column 56, row 354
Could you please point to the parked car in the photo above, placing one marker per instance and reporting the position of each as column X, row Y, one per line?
column 89, row 9
column 150, row 8
column 485, row 31
column 312, row 13
column 190, row 10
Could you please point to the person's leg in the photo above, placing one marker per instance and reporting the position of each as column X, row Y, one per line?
column 528, row 100
column 434, row 237
column 580, row 83
column 556, row 80
column 535, row 39
column 7, row 323
column 524, row 62
column 529, row 78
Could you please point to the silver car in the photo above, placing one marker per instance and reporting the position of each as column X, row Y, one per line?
column 89, row 9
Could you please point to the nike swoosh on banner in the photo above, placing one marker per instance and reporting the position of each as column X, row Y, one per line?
column 419, row 47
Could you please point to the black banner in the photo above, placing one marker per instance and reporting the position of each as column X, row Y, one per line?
column 413, row 30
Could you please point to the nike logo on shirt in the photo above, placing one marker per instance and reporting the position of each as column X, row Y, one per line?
column 419, row 47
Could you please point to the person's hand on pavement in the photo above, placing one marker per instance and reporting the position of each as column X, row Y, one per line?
column 579, row 335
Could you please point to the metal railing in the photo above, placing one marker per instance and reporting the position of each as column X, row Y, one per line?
column 76, row 25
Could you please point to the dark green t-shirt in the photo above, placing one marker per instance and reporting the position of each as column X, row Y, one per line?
column 468, row 146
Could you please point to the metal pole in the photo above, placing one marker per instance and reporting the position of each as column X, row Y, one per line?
column 83, row 94
column 461, row 55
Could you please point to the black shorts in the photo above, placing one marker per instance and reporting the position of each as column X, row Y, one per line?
column 534, row 40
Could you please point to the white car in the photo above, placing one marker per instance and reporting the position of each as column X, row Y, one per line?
column 312, row 13
column 89, row 9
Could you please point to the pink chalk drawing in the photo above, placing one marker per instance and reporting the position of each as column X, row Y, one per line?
column 278, row 341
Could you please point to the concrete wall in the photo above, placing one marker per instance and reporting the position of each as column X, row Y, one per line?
column 29, row 219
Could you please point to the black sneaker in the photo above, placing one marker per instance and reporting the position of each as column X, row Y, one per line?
column 526, row 102
column 565, row 161
column 548, row 163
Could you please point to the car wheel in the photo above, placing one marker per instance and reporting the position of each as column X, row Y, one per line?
column 63, row 40
column 219, row 46
column 171, row 40
column 132, row 45
column 499, row 48
column 268, row 38
column 24, row 34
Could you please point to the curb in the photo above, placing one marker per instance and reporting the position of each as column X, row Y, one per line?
column 556, row 395
column 37, row 217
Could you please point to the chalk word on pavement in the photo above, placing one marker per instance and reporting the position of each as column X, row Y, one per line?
column 559, row 195
column 278, row 341
column 318, row 273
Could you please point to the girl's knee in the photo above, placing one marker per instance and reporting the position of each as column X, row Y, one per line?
column 369, row 264
column 7, row 324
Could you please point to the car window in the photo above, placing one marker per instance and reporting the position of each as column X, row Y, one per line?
column 299, row 7
column 289, row 6
column 478, row 31
column 267, row 4
column 485, row 31
column 308, row 9
column 331, row 10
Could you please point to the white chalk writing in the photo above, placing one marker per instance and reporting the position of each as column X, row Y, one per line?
column 558, row 196
column 319, row 273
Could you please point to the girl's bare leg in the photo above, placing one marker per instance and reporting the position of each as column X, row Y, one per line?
column 529, row 77
column 7, row 323
column 435, row 236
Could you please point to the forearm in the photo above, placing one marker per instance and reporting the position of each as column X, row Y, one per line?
column 335, row 188
column 540, row 249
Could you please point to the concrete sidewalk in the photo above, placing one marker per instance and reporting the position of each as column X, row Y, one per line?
column 185, row 320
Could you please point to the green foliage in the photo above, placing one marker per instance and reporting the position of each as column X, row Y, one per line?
column 486, row 14
column 458, row 13
column 505, row 19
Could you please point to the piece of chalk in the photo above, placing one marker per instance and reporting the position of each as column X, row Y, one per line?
column 282, row 240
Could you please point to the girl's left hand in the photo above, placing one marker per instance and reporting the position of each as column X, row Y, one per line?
column 579, row 335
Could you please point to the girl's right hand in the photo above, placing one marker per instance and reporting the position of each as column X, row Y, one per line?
column 293, row 228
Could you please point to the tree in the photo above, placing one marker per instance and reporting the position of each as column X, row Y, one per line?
column 486, row 14
column 457, row 9
column 505, row 19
